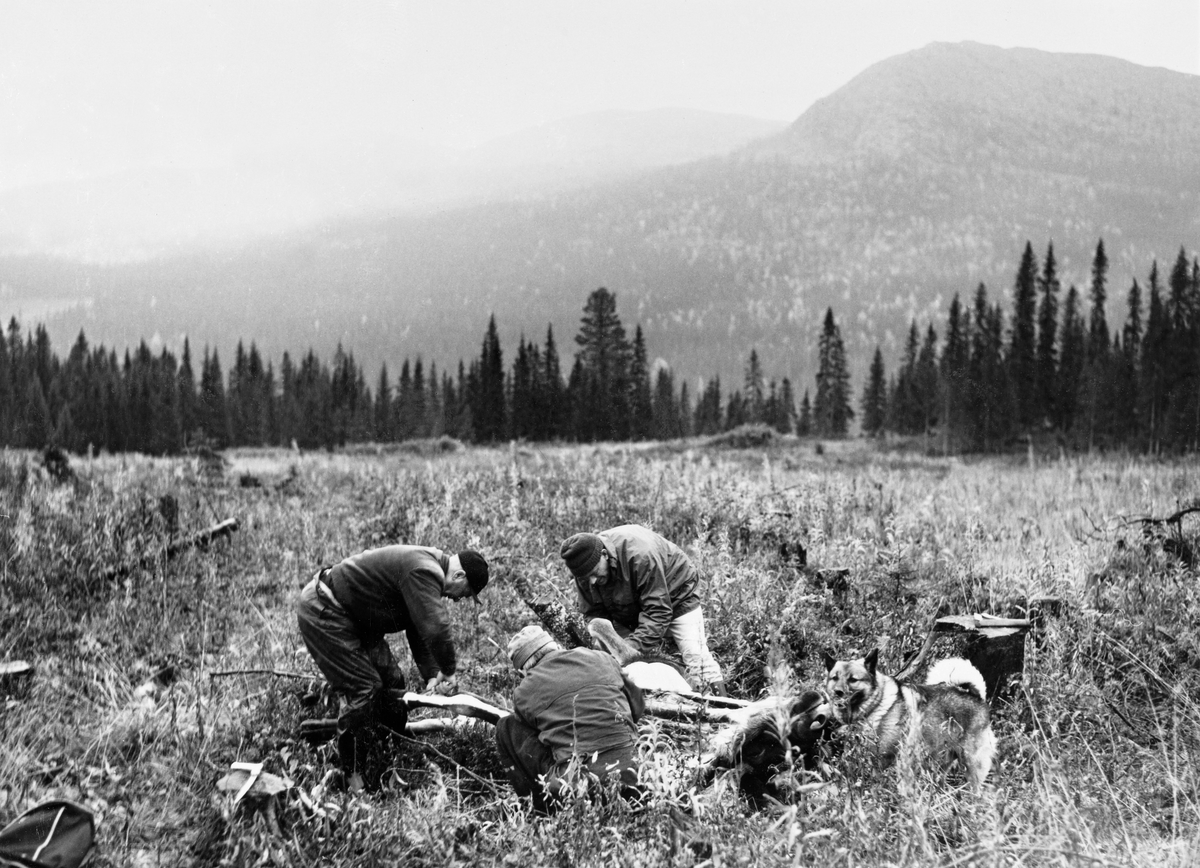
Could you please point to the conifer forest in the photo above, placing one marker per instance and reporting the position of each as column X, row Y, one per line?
column 1050, row 368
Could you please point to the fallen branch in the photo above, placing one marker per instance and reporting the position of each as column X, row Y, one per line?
column 278, row 673
column 200, row 539
column 1176, row 518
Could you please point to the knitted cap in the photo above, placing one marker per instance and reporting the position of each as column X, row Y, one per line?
column 526, row 642
column 476, row 568
column 582, row 553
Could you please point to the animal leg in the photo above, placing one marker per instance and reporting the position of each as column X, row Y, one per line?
column 603, row 631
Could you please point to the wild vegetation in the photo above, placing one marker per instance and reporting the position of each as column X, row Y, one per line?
column 147, row 684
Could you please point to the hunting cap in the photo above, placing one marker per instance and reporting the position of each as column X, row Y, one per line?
column 582, row 552
column 526, row 642
column 476, row 569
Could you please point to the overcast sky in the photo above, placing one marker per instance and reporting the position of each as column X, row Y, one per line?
column 91, row 87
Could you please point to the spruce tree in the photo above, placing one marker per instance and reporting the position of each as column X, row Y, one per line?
column 383, row 407
column 665, row 407
column 708, row 409
column 259, row 398
column 752, row 389
column 1127, row 422
column 7, row 400
column 189, row 409
column 602, row 396
column 37, row 427
column 487, row 406
column 435, row 415
column 214, row 414
column 903, row 401
column 874, row 398
column 735, row 411
column 289, row 408
column 831, row 409
column 1095, row 408
column 926, row 381
column 804, row 422
column 419, row 400
column 785, row 421
column 1047, row 347
column 1022, row 352
column 952, row 375
column 685, row 411
column 237, row 397
column 1072, row 357
column 402, row 415
column 1182, row 375
column 641, row 422
column 1098, row 337
column 554, row 423
column 522, row 409
column 991, row 402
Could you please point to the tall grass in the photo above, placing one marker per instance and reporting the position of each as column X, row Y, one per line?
column 1098, row 735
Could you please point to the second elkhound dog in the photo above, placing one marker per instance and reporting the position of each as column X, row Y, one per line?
column 946, row 717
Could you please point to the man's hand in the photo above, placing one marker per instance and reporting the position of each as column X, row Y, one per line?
column 442, row 684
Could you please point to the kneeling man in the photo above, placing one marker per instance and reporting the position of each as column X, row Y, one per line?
column 574, row 717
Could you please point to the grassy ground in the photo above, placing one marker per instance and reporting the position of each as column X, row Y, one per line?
column 1098, row 738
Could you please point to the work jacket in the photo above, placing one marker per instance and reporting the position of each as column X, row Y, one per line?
column 399, row 588
column 650, row 583
column 579, row 703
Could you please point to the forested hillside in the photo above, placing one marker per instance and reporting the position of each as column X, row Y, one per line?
column 918, row 180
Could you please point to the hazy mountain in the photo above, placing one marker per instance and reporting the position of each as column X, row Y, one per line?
column 922, row 177
column 157, row 210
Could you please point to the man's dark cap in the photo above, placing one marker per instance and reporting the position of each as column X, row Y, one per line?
column 476, row 569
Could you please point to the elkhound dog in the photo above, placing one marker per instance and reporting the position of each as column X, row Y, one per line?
column 947, row 716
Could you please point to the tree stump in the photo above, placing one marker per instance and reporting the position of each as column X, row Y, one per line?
column 995, row 646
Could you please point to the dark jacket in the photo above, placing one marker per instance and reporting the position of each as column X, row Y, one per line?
column 650, row 583
column 399, row 588
column 579, row 702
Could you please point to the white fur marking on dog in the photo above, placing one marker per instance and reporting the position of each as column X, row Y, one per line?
column 656, row 676
column 956, row 670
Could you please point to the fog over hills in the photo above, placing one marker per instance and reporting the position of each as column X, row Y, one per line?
column 155, row 210
column 920, row 178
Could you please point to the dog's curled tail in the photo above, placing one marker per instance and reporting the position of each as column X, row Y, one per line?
column 960, row 673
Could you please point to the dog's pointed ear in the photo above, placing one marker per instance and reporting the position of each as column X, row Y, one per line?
column 871, row 660
column 830, row 661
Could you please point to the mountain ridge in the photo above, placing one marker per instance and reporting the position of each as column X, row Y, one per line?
column 720, row 255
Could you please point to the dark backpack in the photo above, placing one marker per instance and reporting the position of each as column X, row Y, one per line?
column 55, row 834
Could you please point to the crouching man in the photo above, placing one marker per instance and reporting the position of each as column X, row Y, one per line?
column 648, row 588
column 573, row 722
column 344, row 615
